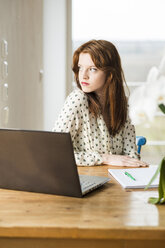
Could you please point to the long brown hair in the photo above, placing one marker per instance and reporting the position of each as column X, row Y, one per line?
column 106, row 58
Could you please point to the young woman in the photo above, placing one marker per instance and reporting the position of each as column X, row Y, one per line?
column 96, row 112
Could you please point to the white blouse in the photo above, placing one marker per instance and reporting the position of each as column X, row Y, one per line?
column 90, row 135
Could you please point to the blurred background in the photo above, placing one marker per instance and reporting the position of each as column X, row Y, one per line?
column 37, row 40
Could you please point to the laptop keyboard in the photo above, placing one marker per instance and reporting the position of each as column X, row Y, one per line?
column 85, row 183
column 89, row 183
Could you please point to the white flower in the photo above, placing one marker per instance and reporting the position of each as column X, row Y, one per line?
column 145, row 99
column 153, row 74
column 137, row 112
column 161, row 93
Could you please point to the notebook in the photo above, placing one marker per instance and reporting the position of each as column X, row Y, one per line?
column 135, row 177
column 41, row 161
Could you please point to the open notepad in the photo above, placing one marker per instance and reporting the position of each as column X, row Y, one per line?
column 136, row 177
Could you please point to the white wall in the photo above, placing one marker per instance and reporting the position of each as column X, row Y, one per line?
column 55, row 26
column 21, row 106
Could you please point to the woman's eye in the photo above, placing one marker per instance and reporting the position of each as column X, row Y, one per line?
column 93, row 69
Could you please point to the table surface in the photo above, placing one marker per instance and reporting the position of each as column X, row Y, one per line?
column 108, row 212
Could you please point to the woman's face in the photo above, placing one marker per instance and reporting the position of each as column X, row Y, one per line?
column 90, row 77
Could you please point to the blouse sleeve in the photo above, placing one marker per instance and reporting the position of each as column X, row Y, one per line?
column 70, row 120
column 130, row 147
column 88, row 158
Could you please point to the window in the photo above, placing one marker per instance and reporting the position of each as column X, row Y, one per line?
column 136, row 28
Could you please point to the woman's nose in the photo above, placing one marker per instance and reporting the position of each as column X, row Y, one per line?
column 85, row 74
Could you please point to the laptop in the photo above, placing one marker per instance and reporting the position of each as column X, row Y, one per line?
column 43, row 162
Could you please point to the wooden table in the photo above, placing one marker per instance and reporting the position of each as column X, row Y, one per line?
column 107, row 217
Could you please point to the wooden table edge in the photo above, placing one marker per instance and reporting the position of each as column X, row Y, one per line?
column 76, row 233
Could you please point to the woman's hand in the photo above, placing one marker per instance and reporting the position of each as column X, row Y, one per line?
column 122, row 160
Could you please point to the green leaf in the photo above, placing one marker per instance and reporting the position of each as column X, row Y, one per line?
column 153, row 200
column 161, row 189
column 154, row 176
column 162, row 107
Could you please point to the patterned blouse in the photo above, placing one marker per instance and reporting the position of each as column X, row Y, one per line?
column 90, row 135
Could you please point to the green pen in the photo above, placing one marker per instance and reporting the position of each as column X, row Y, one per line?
column 129, row 175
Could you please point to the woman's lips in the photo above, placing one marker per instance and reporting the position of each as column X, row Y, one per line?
column 84, row 83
